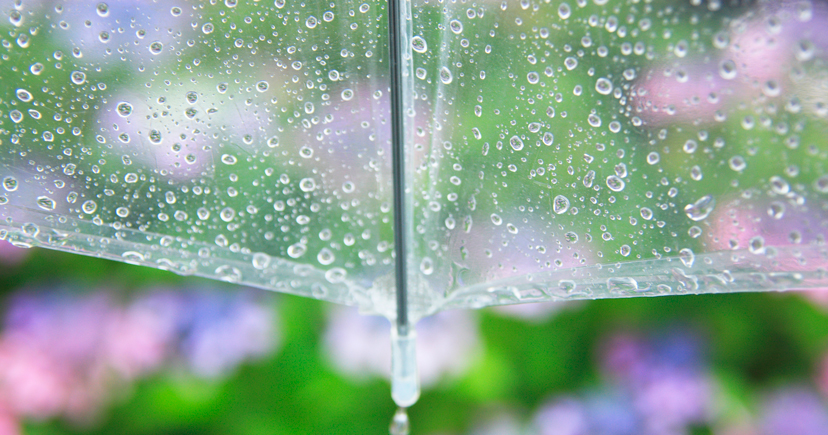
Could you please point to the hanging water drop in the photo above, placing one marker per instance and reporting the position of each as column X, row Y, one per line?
column 399, row 424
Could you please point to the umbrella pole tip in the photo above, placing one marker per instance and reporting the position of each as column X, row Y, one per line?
column 405, row 381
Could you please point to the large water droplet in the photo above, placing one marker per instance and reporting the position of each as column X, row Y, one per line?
column 296, row 250
column 102, row 9
column 89, row 207
column 603, row 86
column 155, row 137
column 261, row 260
column 124, row 109
column 325, row 257
column 78, row 77
column 45, row 203
column 156, row 47
column 516, row 143
column 418, row 44
column 564, row 11
column 307, row 185
column 615, row 184
column 589, row 178
column 10, row 183
column 687, row 257
column 445, row 75
column 700, row 209
column 427, row 266
column 560, row 204
column 24, row 95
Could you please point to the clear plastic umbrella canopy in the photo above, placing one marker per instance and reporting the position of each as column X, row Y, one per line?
column 489, row 152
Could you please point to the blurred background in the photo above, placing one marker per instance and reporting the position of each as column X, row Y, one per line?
column 241, row 140
column 96, row 347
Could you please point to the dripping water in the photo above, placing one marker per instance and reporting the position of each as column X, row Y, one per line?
column 399, row 424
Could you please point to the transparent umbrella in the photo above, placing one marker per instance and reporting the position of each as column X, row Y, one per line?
column 497, row 153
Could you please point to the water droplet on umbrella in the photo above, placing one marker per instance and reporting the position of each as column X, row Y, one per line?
column 102, row 9
column 687, row 257
column 10, row 183
column 516, row 143
column 325, row 257
column 155, row 137
column 560, row 204
column 445, row 75
column 756, row 245
column 737, row 163
column 307, row 185
column 124, row 109
column 700, row 209
column 78, row 77
column 16, row 116
column 261, row 260
column 496, row 219
column 615, row 184
column 564, row 11
column 603, row 86
column 24, row 95
column 89, row 206
column 156, row 47
column 589, row 178
column 45, row 203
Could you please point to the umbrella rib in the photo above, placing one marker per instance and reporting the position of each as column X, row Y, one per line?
column 398, row 161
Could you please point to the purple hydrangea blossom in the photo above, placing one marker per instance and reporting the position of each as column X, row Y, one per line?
column 793, row 411
column 63, row 353
column 447, row 344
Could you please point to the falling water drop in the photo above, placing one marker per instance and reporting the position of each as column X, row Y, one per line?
column 399, row 424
